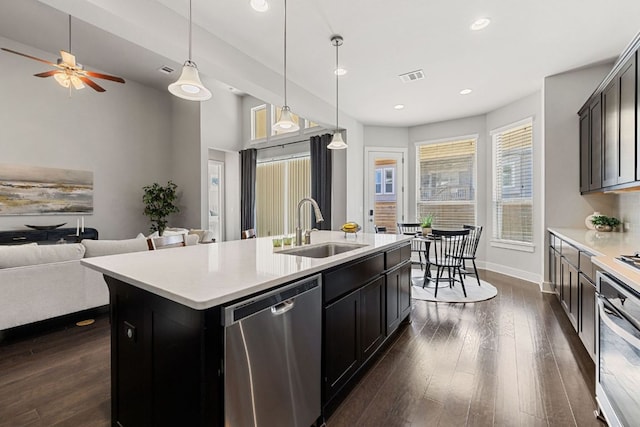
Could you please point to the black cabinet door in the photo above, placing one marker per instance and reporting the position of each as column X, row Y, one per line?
column 627, row 147
column 569, row 291
column 405, row 291
column 587, row 315
column 610, row 146
column 557, row 270
column 585, row 151
column 595, row 136
column 398, row 295
column 342, row 342
column 372, row 308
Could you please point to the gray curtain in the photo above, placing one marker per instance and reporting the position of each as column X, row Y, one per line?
column 321, row 178
column 248, row 160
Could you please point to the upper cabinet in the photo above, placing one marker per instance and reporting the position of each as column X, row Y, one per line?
column 609, row 129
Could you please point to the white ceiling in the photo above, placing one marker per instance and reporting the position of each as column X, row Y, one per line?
column 525, row 42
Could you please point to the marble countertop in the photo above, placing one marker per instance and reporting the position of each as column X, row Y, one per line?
column 203, row 276
column 605, row 247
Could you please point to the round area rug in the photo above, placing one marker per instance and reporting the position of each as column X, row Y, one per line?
column 475, row 293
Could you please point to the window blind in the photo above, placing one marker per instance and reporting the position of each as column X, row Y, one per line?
column 447, row 182
column 513, row 184
column 280, row 185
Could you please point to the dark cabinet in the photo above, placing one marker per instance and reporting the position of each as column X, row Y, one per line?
column 342, row 342
column 585, row 151
column 569, row 290
column 610, row 152
column 364, row 302
column 595, row 136
column 627, row 117
column 610, row 130
column 398, row 294
column 587, row 314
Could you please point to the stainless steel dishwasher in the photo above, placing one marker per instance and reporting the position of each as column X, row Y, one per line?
column 272, row 357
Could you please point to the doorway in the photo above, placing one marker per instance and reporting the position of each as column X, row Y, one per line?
column 385, row 195
column 216, row 198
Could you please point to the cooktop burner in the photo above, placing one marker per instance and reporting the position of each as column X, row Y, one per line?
column 632, row 260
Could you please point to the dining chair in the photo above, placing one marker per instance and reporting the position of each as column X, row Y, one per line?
column 380, row 229
column 248, row 234
column 412, row 228
column 475, row 231
column 448, row 248
column 164, row 242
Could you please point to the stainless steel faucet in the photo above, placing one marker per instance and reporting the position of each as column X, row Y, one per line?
column 316, row 209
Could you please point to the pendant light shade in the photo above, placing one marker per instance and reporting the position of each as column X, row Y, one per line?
column 189, row 86
column 285, row 122
column 337, row 143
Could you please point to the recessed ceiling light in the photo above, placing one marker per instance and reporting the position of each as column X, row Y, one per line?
column 259, row 5
column 480, row 24
column 465, row 91
column 399, row 106
column 340, row 71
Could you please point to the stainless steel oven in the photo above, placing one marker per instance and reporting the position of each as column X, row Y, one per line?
column 618, row 352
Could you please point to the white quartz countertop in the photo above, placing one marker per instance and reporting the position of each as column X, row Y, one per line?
column 605, row 247
column 203, row 276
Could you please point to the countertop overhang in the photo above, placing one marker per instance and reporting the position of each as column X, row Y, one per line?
column 605, row 247
column 204, row 276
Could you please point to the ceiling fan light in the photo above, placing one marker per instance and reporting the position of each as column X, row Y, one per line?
column 286, row 123
column 62, row 79
column 76, row 82
column 189, row 86
column 337, row 143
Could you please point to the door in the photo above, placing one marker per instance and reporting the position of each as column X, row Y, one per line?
column 596, row 144
column 627, row 147
column 216, row 197
column 610, row 152
column 372, row 329
column 585, row 157
column 385, row 195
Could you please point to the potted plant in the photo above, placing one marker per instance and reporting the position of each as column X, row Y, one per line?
column 426, row 223
column 605, row 223
column 159, row 204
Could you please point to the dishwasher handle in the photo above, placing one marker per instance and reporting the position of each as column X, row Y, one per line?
column 283, row 307
column 278, row 301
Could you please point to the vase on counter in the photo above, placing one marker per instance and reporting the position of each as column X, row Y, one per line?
column 589, row 224
column 426, row 231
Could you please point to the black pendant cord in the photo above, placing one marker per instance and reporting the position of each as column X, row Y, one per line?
column 337, row 79
column 285, row 53
column 190, row 29
column 69, row 33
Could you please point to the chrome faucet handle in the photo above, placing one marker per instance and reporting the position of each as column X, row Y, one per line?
column 307, row 237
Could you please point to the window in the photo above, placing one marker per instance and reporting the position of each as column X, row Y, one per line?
column 310, row 124
column 388, row 186
column 513, row 183
column 259, row 122
column 447, row 182
column 280, row 184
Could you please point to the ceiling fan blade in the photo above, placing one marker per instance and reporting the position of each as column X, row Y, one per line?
column 104, row 76
column 68, row 58
column 29, row 56
column 47, row 73
column 91, row 84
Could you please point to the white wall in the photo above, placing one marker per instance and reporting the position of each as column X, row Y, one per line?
column 380, row 136
column 123, row 135
column 525, row 265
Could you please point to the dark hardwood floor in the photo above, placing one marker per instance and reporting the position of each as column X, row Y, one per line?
column 510, row 361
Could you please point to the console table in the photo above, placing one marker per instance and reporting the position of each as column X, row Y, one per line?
column 46, row 237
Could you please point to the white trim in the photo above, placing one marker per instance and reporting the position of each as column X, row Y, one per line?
column 546, row 287
column 513, row 245
column 534, row 278
column 449, row 139
column 522, row 122
column 253, row 123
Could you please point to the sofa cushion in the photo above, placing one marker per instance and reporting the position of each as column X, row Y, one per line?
column 22, row 255
column 113, row 247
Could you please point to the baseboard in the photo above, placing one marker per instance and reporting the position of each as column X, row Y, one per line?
column 48, row 325
column 546, row 287
column 513, row 272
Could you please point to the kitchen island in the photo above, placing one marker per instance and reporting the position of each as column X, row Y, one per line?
column 167, row 313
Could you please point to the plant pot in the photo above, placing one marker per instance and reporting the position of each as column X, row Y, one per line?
column 426, row 231
column 603, row 228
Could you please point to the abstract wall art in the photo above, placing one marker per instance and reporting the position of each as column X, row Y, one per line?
column 34, row 190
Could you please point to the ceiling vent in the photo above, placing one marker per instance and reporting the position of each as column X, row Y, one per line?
column 166, row 70
column 412, row 76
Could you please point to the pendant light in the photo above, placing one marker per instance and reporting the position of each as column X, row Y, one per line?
column 336, row 142
column 189, row 86
column 285, row 123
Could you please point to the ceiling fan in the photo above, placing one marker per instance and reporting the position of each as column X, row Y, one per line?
column 68, row 72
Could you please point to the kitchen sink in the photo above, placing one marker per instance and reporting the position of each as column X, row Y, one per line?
column 323, row 250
